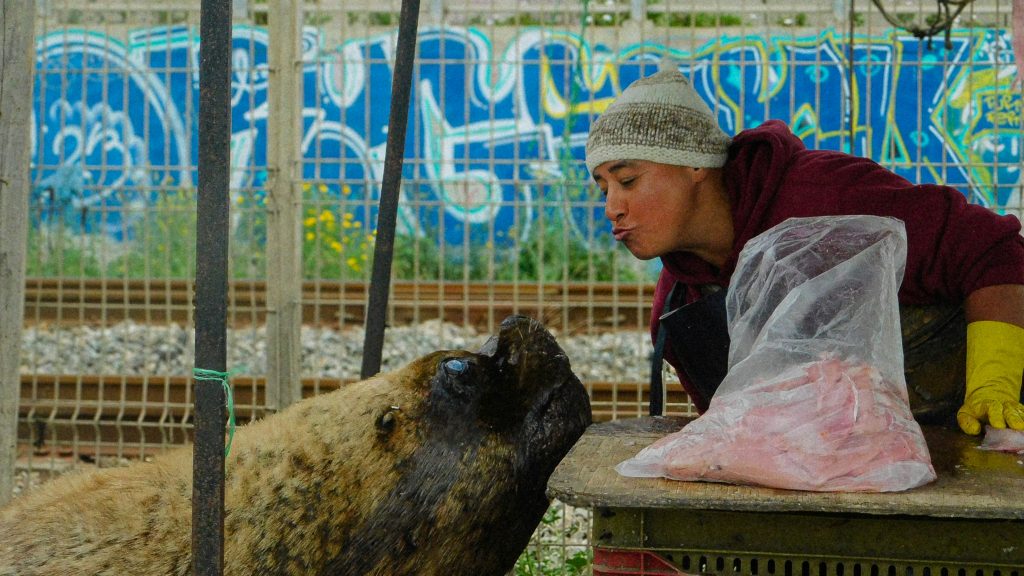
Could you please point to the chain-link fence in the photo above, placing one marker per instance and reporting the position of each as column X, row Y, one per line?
column 497, row 213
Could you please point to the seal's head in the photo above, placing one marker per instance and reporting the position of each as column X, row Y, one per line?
column 492, row 427
column 439, row 467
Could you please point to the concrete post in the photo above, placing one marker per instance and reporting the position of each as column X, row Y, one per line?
column 17, row 43
column 284, row 207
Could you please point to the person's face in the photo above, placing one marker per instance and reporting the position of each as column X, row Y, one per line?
column 651, row 206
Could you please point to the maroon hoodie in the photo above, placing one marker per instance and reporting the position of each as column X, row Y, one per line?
column 953, row 247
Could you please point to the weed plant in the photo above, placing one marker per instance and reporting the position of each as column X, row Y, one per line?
column 159, row 244
column 337, row 245
column 549, row 553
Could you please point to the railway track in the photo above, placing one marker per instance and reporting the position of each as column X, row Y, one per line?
column 569, row 307
column 135, row 415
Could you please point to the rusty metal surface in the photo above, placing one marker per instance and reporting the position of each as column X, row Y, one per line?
column 213, row 227
column 573, row 307
column 387, row 215
column 818, row 544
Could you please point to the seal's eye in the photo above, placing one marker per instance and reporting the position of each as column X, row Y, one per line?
column 455, row 367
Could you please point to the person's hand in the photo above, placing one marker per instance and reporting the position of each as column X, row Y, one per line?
column 995, row 363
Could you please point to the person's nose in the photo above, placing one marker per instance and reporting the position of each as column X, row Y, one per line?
column 614, row 204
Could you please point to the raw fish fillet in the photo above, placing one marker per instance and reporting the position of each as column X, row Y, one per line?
column 1003, row 440
column 827, row 425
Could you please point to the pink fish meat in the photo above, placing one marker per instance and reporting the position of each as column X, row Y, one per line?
column 827, row 425
column 1003, row 440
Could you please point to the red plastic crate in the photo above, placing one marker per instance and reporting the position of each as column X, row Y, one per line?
column 617, row 562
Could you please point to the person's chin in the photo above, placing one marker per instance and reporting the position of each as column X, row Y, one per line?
column 641, row 254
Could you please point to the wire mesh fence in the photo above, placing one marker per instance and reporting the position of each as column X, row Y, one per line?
column 497, row 213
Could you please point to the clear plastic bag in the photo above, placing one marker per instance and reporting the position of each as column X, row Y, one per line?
column 815, row 397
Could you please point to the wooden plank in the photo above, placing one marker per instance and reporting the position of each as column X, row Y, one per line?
column 971, row 483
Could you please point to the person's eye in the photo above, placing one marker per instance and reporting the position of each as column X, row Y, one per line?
column 627, row 182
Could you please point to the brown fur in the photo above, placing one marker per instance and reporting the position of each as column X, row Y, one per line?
column 417, row 471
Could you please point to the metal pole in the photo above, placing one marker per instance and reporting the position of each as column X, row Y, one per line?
column 211, row 285
column 851, row 71
column 380, row 279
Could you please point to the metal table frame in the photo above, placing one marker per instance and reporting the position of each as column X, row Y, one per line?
column 969, row 522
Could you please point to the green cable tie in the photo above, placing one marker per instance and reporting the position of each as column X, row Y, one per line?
column 205, row 375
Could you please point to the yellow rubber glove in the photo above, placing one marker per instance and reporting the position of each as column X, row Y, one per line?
column 995, row 363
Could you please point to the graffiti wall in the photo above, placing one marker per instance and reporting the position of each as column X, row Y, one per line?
column 497, row 134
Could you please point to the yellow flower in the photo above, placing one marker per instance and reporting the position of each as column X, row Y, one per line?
column 346, row 224
column 327, row 216
column 306, row 187
column 335, row 246
column 310, row 222
column 310, row 236
column 346, row 189
column 353, row 263
column 322, row 187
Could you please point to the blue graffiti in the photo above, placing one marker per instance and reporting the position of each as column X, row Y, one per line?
column 496, row 140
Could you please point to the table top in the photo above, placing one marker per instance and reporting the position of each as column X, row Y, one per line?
column 971, row 483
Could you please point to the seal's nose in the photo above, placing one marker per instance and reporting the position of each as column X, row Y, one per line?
column 513, row 331
column 514, row 319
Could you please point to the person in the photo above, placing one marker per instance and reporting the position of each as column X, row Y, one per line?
column 676, row 187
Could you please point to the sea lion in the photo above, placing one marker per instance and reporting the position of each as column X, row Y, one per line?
column 439, row 467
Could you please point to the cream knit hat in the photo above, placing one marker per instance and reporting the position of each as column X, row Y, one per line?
column 660, row 118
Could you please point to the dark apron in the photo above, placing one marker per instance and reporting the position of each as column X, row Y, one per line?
column 934, row 352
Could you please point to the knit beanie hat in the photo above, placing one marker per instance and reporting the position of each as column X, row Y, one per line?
column 660, row 118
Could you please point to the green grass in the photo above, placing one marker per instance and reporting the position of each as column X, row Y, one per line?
column 549, row 253
column 336, row 245
column 534, row 563
column 163, row 246
column 693, row 20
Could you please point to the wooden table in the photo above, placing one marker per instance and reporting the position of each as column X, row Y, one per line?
column 968, row 522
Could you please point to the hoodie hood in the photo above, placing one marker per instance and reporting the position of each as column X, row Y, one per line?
column 754, row 172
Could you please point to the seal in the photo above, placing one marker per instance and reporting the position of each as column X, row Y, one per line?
column 439, row 467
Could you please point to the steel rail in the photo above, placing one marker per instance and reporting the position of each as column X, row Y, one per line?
column 111, row 414
column 572, row 307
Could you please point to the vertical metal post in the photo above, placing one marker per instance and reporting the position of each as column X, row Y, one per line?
column 638, row 10
column 851, row 71
column 284, row 208
column 380, row 279
column 437, row 12
column 17, row 43
column 211, row 285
